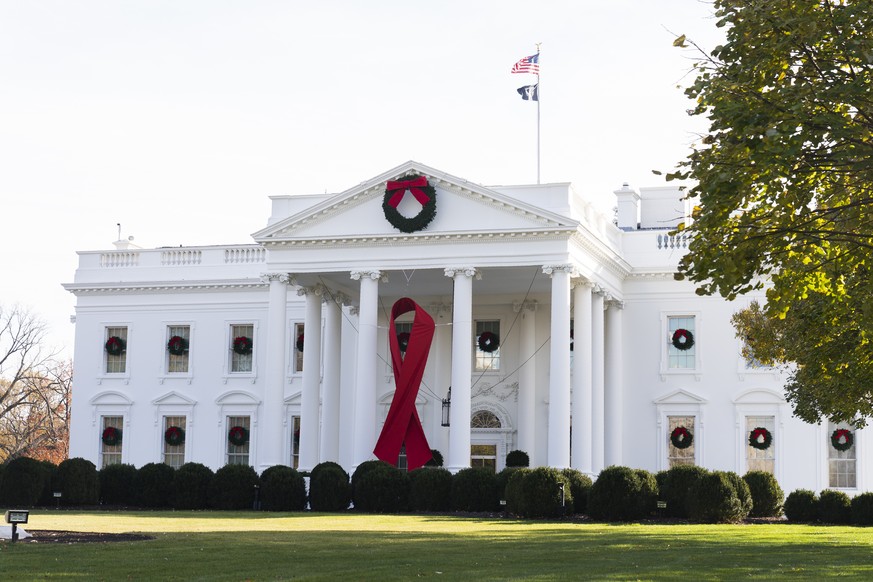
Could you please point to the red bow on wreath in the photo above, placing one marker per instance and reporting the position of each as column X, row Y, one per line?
column 400, row 188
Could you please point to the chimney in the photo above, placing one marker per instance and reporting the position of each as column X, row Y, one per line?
column 628, row 207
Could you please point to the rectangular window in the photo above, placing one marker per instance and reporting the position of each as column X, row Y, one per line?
column 240, row 355
column 484, row 456
column 295, row 442
column 684, row 453
column 116, row 350
column 298, row 347
column 110, row 454
column 178, row 342
column 758, row 459
column 238, row 453
column 174, row 454
column 683, row 357
column 841, row 463
column 487, row 337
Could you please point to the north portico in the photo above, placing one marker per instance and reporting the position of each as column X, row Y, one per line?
column 532, row 266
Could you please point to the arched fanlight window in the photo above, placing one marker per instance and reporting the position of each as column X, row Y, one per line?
column 484, row 419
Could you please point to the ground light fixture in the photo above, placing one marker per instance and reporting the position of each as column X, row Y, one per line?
column 14, row 517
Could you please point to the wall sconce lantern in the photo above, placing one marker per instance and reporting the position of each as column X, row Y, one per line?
column 447, row 405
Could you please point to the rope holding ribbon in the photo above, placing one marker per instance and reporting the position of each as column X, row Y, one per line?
column 402, row 425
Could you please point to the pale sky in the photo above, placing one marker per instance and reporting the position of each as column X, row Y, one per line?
column 179, row 118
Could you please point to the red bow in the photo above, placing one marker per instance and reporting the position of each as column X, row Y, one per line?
column 414, row 186
column 402, row 424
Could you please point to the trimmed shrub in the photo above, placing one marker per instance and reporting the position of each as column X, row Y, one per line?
column 282, row 489
column 580, row 485
column 502, row 480
column 513, row 491
column 517, row 459
column 834, row 507
column 24, row 480
column 382, row 489
column 436, row 460
column 233, row 487
column 862, row 509
column 475, row 489
column 78, row 481
column 49, row 486
column 430, row 489
column 767, row 496
column 618, row 494
column 676, row 486
column 648, row 499
column 720, row 497
column 546, row 493
column 802, row 506
column 329, row 488
column 155, row 483
column 117, row 484
column 192, row 486
column 360, row 471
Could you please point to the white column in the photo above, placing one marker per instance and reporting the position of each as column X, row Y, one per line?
column 559, row 367
column 271, row 426
column 441, row 351
column 311, row 378
column 597, row 421
column 348, row 376
column 367, row 370
column 462, row 367
column 581, row 447
column 613, row 397
column 527, row 380
column 330, row 399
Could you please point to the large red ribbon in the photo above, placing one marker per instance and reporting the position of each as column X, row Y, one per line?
column 402, row 424
column 414, row 186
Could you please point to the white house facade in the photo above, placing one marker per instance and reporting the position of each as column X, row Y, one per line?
column 278, row 352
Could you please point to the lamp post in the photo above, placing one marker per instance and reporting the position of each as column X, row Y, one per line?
column 447, row 405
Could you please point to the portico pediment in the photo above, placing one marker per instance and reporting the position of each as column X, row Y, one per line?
column 461, row 207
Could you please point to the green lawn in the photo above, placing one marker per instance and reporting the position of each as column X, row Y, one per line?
column 263, row 546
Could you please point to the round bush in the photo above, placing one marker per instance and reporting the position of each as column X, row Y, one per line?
column 78, row 482
column 517, row 459
column 801, row 506
column 49, row 486
column 767, row 496
column 436, row 460
column 834, row 507
column 648, row 500
column 192, row 486
column 676, row 488
column 475, row 489
column 862, row 509
column 233, row 487
column 720, row 497
column 580, row 485
column 282, row 489
column 546, row 493
column 362, row 470
column 513, row 491
column 329, row 488
column 24, row 480
column 430, row 489
column 618, row 494
column 117, row 484
column 382, row 489
column 155, row 484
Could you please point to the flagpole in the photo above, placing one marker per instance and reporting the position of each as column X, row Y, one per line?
column 538, row 115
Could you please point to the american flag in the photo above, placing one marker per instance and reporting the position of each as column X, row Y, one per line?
column 529, row 64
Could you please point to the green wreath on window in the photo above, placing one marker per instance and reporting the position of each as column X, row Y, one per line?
column 174, row 436
column 842, row 439
column 488, row 342
column 760, row 438
column 682, row 339
column 111, row 436
column 242, row 345
column 177, row 345
column 403, row 340
column 114, row 346
column 238, row 436
column 681, row 437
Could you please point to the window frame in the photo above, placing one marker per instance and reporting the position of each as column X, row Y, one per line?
column 680, row 403
column 829, row 451
column 484, row 371
column 666, row 344
column 110, row 403
column 104, row 359
column 165, row 365
column 228, row 342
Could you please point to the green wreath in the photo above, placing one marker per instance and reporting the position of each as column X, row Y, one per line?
column 681, row 437
column 403, row 341
column 242, row 345
column 177, row 345
column 488, row 342
column 111, row 436
column 394, row 192
column 847, row 439
column 682, row 339
column 238, row 435
column 174, row 436
column 760, row 438
column 114, row 346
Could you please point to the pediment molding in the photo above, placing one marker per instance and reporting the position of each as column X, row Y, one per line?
column 680, row 396
column 173, row 398
column 110, row 398
column 759, row 396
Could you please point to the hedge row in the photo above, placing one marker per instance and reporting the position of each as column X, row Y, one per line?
column 831, row 506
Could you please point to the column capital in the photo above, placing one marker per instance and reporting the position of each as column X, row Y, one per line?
column 354, row 310
column 580, row 282
column 280, row 277
column 529, row 305
column 466, row 271
column 439, row 309
column 318, row 290
column 337, row 297
column 614, row 302
column 372, row 274
column 565, row 268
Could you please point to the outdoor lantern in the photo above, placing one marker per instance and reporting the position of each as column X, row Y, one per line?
column 447, row 405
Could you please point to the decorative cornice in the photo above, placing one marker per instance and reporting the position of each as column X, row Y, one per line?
column 604, row 255
column 162, row 286
column 422, row 238
column 466, row 271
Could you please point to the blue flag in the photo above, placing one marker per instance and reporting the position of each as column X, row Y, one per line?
column 529, row 92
